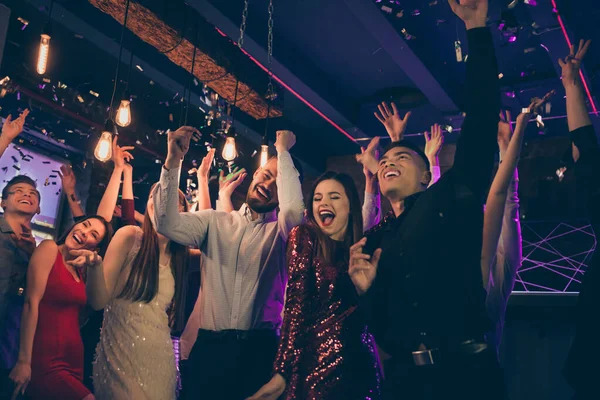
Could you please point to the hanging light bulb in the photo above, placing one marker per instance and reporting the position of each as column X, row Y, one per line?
column 229, row 150
column 43, row 52
column 123, row 117
column 264, row 152
column 103, row 151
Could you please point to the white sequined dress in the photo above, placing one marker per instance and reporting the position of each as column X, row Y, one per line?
column 135, row 358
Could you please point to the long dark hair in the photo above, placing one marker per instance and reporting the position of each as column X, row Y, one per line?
column 326, row 246
column 103, row 244
column 142, row 283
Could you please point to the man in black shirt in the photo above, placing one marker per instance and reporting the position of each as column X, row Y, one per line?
column 580, row 369
column 426, row 306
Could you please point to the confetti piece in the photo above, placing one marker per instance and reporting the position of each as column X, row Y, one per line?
column 17, row 168
column 46, row 182
column 54, row 183
column 45, row 162
column 53, row 176
column 14, row 159
column 4, row 169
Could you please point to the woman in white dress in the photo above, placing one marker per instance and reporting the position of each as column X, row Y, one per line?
column 140, row 285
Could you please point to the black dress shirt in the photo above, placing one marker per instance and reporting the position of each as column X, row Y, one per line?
column 585, row 351
column 428, row 287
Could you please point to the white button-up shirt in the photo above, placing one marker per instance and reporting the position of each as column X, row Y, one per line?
column 244, row 270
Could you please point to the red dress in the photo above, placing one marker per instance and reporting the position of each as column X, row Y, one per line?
column 57, row 357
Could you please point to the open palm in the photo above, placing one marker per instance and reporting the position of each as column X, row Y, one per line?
column 391, row 120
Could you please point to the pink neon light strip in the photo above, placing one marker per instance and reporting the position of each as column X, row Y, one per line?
column 302, row 99
column 564, row 31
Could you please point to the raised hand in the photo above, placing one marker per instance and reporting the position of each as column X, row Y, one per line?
column 178, row 143
column 203, row 171
column 270, row 390
column 67, row 178
column 472, row 12
column 285, row 140
column 363, row 267
column 368, row 158
column 120, row 155
column 228, row 183
column 12, row 128
column 572, row 63
column 433, row 143
column 537, row 103
column 391, row 120
column 84, row 258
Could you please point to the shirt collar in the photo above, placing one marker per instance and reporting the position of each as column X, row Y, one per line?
column 261, row 218
column 5, row 226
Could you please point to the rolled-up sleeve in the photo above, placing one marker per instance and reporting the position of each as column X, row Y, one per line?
column 189, row 229
column 289, row 190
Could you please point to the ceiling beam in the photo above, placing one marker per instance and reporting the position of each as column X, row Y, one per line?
column 390, row 41
column 78, row 26
column 283, row 75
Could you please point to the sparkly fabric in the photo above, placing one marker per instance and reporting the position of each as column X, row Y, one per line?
column 325, row 350
column 135, row 358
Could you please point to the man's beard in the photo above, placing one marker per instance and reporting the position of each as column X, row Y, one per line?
column 259, row 207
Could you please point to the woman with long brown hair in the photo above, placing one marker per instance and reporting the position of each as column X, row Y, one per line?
column 140, row 284
column 325, row 351
column 50, row 364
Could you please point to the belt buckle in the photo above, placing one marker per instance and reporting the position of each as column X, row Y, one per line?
column 423, row 357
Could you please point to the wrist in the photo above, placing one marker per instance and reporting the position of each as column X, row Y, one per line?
column 281, row 149
column 172, row 162
column 434, row 161
column 24, row 360
column 474, row 24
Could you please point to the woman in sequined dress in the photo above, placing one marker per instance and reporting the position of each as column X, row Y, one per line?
column 325, row 350
column 140, row 285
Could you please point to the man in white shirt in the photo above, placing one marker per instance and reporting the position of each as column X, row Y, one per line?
column 243, row 274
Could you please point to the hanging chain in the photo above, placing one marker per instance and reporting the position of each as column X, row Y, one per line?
column 243, row 24
column 271, row 95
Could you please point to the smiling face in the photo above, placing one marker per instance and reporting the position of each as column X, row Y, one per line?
column 86, row 235
column 22, row 198
column 331, row 208
column 402, row 172
column 262, row 193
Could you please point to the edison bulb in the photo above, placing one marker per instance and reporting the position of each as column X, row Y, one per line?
column 229, row 150
column 264, row 155
column 103, row 150
column 123, row 117
column 44, row 50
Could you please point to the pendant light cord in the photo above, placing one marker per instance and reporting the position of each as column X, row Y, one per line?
column 110, row 110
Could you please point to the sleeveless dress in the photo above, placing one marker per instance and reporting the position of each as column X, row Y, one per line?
column 57, row 356
column 135, row 358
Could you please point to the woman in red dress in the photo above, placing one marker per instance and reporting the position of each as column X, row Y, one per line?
column 50, row 364
column 325, row 351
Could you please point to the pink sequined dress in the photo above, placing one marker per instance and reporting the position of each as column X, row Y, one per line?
column 135, row 358
column 325, row 351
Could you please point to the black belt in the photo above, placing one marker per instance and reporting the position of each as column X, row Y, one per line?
column 235, row 334
column 437, row 356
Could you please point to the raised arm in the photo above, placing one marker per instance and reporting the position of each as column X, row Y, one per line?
column 188, row 229
column 371, row 209
column 203, row 174
column 38, row 271
column 434, row 142
column 120, row 155
column 11, row 129
column 476, row 146
column 127, row 201
column 497, row 196
column 289, row 188
column 69, row 182
column 102, row 275
column 586, row 152
column 297, row 306
column 389, row 117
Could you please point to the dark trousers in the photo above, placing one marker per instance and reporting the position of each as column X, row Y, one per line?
column 468, row 377
column 229, row 365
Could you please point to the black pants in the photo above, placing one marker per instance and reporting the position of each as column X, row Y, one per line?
column 467, row 377
column 229, row 365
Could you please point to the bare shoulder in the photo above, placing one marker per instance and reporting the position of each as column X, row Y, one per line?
column 128, row 232
column 47, row 248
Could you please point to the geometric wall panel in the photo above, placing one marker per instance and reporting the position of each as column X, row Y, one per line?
column 555, row 256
